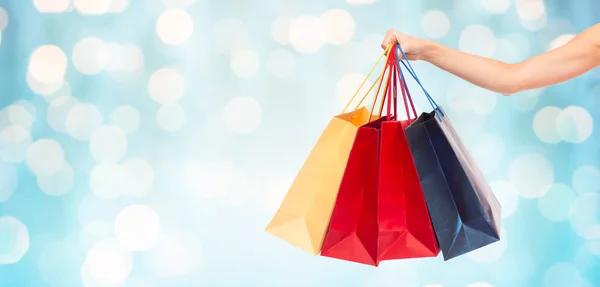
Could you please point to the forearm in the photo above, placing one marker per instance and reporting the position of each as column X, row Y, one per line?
column 558, row 65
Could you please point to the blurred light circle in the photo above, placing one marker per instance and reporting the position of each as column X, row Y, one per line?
column 137, row 227
column 171, row 118
column 492, row 252
column 174, row 26
column 14, row 242
column 178, row 3
column 522, row 42
column 57, row 112
column 479, row 40
column 133, row 58
column 280, row 29
column 586, row 179
column 58, row 183
column 507, row 195
column 555, row 205
column 15, row 140
column 496, row 6
column 562, row 274
column 242, row 115
column 210, row 180
column 585, row 216
column 92, row 7
column 140, row 282
column 116, row 57
column 19, row 115
column 435, row 24
column 175, row 255
column 307, row 34
column 274, row 187
column 127, row 118
column 339, row 26
column 535, row 25
column 139, row 177
column 574, row 124
column 544, row 124
column 530, row 10
column 222, row 40
column 594, row 247
column 347, row 86
column 90, row 55
column 118, row 6
column 45, row 157
column 281, row 63
column 532, row 174
column 108, row 143
column 525, row 101
column 82, row 121
column 489, row 152
column 166, row 86
column 107, row 181
column 107, row 263
column 458, row 97
column 51, row 6
column 93, row 232
column 480, row 284
column 9, row 181
column 3, row 19
column 43, row 89
column 560, row 41
column 506, row 51
column 48, row 64
column 482, row 101
column 241, row 189
column 245, row 63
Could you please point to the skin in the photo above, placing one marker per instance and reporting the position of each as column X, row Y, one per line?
column 578, row 56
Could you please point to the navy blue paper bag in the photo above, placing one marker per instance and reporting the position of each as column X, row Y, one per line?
column 464, row 211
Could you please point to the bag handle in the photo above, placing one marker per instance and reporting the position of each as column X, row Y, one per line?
column 385, row 68
column 386, row 52
column 411, row 71
column 405, row 95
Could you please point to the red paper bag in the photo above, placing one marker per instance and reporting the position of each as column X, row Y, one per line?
column 405, row 229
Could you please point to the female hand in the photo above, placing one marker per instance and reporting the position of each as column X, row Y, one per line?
column 412, row 47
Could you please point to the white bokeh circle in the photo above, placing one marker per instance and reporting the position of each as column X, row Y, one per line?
column 52, row 6
column 43, row 89
column 19, row 115
column 544, row 124
column 435, row 24
column 82, row 120
column 106, row 263
column 242, row 115
column 210, row 181
column 58, row 183
column 280, row 29
column 90, row 55
column 171, row 118
column 562, row 274
column 585, row 216
column 137, row 227
column 108, row 181
column 3, row 19
column 56, row 115
column 532, row 174
column 478, row 39
column 15, row 140
column 48, row 64
column 45, row 157
column 221, row 36
column 507, row 196
column 108, row 144
column 555, row 205
column 245, row 63
column 9, row 181
column 347, row 86
column 166, row 86
column 15, row 240
column 489, row 151
column 281, row 63
column 118, row 6
column 139, row 177
column 481, row 101
column 127, row 118
column 560, row 41
column 339, row 26
column 93, row 232
column 586, row 179
column 530, row 10
column 307, row 34
column 92, row 7
column 174, row 26
column 496, row 6
column 574, row 124
column 175, row 254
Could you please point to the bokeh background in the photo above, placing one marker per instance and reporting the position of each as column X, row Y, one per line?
column 148, row 143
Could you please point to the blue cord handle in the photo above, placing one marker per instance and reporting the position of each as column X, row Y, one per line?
column 411, row 71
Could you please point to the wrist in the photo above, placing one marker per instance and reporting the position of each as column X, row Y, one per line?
column 430, row 50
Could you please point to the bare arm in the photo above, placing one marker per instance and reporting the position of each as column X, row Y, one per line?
column 564, row 63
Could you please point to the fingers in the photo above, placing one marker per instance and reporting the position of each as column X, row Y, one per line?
column 389, row 39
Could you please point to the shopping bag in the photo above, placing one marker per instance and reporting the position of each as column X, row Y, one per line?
column 303, row 217
column 353, row 230
column 405, row 229
column 464, row 212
